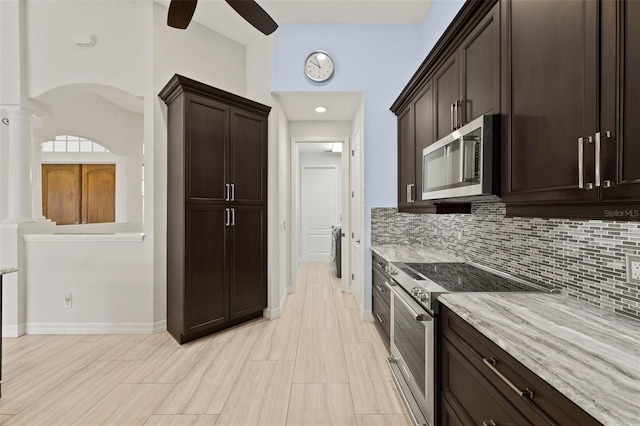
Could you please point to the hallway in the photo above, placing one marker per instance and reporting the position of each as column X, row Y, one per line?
column 318, row 364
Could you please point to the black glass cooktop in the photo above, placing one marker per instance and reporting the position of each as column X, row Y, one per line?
column 465, row 278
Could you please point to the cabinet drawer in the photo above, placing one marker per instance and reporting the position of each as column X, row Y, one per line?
column 382, row 317
column 470, row 395
column 547, row 406
column 379, row 287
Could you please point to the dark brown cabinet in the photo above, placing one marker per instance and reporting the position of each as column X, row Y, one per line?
column 479, row 58
column 216, row 209
column 457, row 82
column 620, row 87
column 446, row 82
column 467, row 85
column 550, row 100
column 381, row 299
column 570, row 145
column 406, row 159
column 476, row 379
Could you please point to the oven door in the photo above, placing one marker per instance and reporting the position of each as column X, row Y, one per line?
column 412, row 355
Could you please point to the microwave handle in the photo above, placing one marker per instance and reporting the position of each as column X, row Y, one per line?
column 462, row 155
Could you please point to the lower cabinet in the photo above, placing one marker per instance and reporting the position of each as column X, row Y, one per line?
column 478, row 383
column 218, row 279
column 381, row 299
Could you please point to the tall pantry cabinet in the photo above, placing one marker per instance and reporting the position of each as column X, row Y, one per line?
column 216, row 209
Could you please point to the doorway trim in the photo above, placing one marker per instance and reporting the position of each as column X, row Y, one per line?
column 294, row 213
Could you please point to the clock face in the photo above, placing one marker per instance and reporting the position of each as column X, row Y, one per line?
column 319, row 66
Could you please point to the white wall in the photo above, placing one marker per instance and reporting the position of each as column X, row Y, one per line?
column 106, row 294
column 121, row 59
column 122, row 54
column 319, row 129
column 356, row 50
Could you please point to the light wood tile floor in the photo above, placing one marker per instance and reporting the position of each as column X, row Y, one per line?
column 319, row 364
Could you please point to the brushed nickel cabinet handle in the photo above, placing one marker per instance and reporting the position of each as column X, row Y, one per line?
column 410, row 193
column 227, row 213
column 491, row 364
column 233, row 217
column 227, row 189
column 382, row 321
column 489, row 423
column 233, row 192
column 459, row 110
column 452, row 123
column 380, row 289
column 581, row 142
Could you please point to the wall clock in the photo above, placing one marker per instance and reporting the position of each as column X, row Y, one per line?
column 319, row 66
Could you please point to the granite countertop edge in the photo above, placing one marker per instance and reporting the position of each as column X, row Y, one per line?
column 589, row 398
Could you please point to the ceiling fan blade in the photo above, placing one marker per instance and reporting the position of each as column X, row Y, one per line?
column 180, row 13
column 254, row 14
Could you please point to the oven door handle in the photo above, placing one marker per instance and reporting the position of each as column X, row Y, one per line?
column 422, row 317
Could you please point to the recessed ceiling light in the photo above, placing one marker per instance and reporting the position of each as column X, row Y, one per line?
column 321, row 109
column 337, row 147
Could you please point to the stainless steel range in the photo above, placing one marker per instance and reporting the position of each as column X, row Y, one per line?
column 415, row 288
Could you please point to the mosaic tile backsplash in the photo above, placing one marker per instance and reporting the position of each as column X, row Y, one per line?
column 584, row 257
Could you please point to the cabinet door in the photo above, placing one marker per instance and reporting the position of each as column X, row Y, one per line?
column 207, row 136
column 98, row 193
column 550, row 99
column 424, row 134
column 474, row 400
column 248, row 160
column 247, row 263
column 446, row 85
column 480, row 69
column 406, row 159
column 206, row 290
column 620, row 107
column 61, row 193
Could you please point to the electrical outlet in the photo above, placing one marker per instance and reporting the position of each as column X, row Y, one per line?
column 67, row 300
column 633, row 269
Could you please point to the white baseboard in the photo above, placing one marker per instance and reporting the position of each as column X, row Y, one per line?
column 273, row 313
column 95, row 328
column 159, row 326
column 13, row 330
column 367, row 316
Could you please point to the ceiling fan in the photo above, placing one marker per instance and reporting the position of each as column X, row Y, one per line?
column 181, row 12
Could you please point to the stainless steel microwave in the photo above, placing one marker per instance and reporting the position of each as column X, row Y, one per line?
column 464, row 165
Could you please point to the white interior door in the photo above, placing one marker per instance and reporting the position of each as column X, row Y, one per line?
column 319, row 210
column 356, row 219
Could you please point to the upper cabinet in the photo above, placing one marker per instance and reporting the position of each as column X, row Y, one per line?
column 467, row 84
column 550, row 100
column 570, row 128
column 620, row 111
column 458, row 82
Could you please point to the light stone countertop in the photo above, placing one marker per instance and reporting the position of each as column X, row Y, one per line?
column 412, row 254
column 590, row 355
column 7, row 270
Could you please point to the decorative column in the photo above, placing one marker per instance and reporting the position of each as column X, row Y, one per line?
column 20, row 164
column 36, row 178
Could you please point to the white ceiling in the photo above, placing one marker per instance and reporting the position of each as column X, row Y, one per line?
column 300, row 106
column 316, row 147
column 218, row 15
